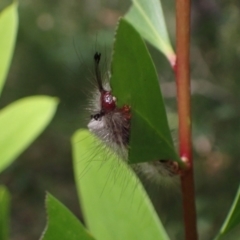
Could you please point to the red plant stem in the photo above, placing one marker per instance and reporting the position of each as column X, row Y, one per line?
column 182, row 71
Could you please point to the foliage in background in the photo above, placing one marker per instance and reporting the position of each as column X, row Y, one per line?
column 20, row 122
column 62, row 224
column 4, row 213
column 111, row 194
column 8, row 31
column 233, row 218
column 148, row 19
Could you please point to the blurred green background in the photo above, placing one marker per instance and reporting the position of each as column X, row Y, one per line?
column 54, row 50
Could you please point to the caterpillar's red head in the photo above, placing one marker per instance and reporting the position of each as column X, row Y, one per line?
column 109, row 122
column 108, row 101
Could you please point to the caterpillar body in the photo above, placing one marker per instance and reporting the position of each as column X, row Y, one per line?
column 112, row 125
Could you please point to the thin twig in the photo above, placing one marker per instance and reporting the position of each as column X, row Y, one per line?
column 184, row 111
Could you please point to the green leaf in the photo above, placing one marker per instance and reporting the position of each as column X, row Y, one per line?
column 114, row 202
column 62, row 224
column 4, row 213
column 20, row 123
column 8, row 32
column 233, row 218
column 134, row 82
column 147, row 17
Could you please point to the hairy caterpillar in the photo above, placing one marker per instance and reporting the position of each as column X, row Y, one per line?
column 112, row 126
